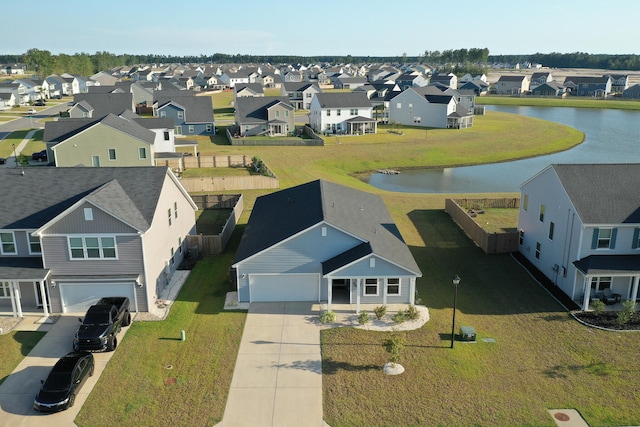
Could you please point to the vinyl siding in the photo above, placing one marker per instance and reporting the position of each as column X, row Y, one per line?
column 102, row 222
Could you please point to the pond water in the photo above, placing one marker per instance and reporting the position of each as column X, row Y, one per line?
column 611, row 136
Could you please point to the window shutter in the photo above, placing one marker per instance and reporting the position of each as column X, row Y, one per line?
column 613, row 238
column 636, row 234
column 594, row 241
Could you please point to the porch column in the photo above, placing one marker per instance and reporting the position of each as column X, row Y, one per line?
column 17, row 307
column 45, row 301
column 329, row 294
column 384, row 291
column 634, row 289
column 586, row 284
column 358, row 296
column 412, row 291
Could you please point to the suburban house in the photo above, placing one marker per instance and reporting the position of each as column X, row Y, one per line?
column 579, row 224
column 7, row 99
column 248, row 89
column 98, row 232
column 549, row 89
column 231, row 78
column 19, row 92
column 599, row 87
column 192, row 115
column 265, row 115
column 478, row 87
column 349, row 82
column 300, row 94
column 539, row 78
column 407, row 80
column 619, row 82
column 447, row 79
column 632, row 92
column 380, row 95
column 473, row 78
column 429, row 107
column 342, row 113
column 97, row 105
column 322, row 241
column 512, row 85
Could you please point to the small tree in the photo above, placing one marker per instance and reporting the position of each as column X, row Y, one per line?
column 328, row 316
column 363, row 317
column 394, row 345
column 380, row 311
column 598, row 307
column 413, row 313
column 400, row 316
column 625, row 315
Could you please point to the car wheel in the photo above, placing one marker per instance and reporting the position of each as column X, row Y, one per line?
column 127, row 319
column 93, row 367
column 72, row 399
column 113, row 343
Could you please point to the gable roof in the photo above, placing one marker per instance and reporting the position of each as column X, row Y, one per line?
column 66, row 186
column 343, row 100
column 592, row 188
column 105, row 103
column 64, row 129
column 197, row 109
column 254, row 109
column 283, row 214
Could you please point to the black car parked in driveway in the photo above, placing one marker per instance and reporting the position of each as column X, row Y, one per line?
column 58, row 391
column 40, row 156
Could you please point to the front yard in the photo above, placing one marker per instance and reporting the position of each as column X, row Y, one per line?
column 14, row 346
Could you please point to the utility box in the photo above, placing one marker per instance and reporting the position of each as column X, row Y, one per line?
column 468, row 333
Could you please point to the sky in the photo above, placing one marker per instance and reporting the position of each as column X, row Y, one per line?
column 315, row 28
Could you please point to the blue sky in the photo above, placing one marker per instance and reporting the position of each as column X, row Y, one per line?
column 326, row 27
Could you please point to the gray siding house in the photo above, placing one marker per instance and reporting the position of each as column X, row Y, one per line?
column 98, row 232
column 321, row 241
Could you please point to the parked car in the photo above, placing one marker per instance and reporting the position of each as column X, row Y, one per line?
column 40, row 156
column 31, row 111
column 3, row 160
column 101, row 324
column 58, row 391
column 40, row 103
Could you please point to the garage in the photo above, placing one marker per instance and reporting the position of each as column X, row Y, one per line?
column 284, row 287
column 78, row 297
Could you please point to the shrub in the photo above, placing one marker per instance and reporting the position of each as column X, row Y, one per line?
column 394, row 345
column 400, row 316
column 380, row 311
column 363, row 317
column 328, row 317
column 413, row 313
column 598, row 307
column 628, row 309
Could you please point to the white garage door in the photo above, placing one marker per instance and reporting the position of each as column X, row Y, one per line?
column 78, row 297
column 284, row 287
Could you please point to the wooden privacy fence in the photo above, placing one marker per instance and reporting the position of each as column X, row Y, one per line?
column 215, row 244
column 191, row 162
column 490, row 243
column 225, row 183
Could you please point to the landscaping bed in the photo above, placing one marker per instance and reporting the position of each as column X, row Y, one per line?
column 608, row 320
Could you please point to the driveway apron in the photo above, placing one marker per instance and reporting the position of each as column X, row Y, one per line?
column 277, row 379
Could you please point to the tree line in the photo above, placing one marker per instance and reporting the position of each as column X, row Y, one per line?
column 459, row 61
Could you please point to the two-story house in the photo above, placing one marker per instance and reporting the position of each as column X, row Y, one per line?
column 265, row 115
column 97, row 105
column 300, row 94
column 579, row 224
column 594, row 86
column 512, row 85
column 192, row 115
column 430, row 107
column 98, row 232
column 342, row 113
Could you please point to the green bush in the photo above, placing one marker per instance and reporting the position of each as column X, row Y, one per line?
column 400, row 316
column 413, row 313
column 363, row 317
column 628, row 309
column 328, row 317
column 380, row 311
column 598, row 307
column 394, row 345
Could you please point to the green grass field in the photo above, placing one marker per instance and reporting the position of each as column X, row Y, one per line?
column 576, row 102
column 14, row 346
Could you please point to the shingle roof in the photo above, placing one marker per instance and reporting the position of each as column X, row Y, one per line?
column 280, row 215
column 602, row 193
column 61, row 130
column 65, row 186
column 343, row 100
column 105, row 103
column 254, row 109
column 197, row 109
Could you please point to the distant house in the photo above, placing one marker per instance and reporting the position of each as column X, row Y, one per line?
column 429, row 107
column 342, row 113
column 478, row 87
column 549, row 89
column 265, row 115
column 192, row 115
column 231, row 78
column 380, row 95
column 247, row 89
column 447, row 79
column 98, row 105
column 593, row 86
column 407, row 80
column 632, row 93
column 512, row 85
column 539, row 78
column 299, row 94
column 472, row 78
column 619, row 83
column 579, row 225
column 322, row 241
column 349, row 82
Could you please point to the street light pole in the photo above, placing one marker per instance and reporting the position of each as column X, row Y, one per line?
column 456, row 281
column 15, row 155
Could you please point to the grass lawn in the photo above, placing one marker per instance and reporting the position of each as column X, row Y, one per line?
column 133, row 389
column 213, row 172
column 498, row 220
column 14, row 346
column 577, row 102
column 211, row 221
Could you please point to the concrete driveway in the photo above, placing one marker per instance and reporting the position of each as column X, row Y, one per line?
column 277, row 380
column 19, row 389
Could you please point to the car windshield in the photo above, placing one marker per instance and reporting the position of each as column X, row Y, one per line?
column 57, row 381
column 100, row 318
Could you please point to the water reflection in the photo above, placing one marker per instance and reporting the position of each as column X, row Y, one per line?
column 611, row 137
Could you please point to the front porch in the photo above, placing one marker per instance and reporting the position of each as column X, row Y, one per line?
column 24, row 287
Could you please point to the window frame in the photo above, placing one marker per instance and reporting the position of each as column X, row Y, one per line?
column 390, row 284
column 114, row 157
column 30, row 236
column 142, row 153
column 367, row 284
column 101, row 247
column 538, row 250
column 12, row 242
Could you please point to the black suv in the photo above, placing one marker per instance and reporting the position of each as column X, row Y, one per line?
column 40, row 156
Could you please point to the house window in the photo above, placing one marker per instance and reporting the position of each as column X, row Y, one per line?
column 34, row 244
column 600, row 283
column 604, row 238
column 7, row 239
column 354, row 111
column 324, row 231
column 95, row 161
column 541, row 213
column 286, row 113
column 551, row 227
column 112, row 154
column 142, row 152
column 98, row 247
column 372, row 262
column 521, row 237
column 191, row 129
column 525, row 202
column 169, row 216
column 88, row 214
column 209, row 128
column 277, row 113
column 328, row 113
column 4, row 290
column 338, row 112
column 393, row 286
column 417, row 119
column 370, row 287
column 399, row 106
column 179, row 244
column 173, row 258
column 166, row 135
column 180, row 114
column 163, row 113
column 175, row 209
column 538, row 249
column 635, row 244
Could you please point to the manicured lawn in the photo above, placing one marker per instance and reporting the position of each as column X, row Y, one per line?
column 577, row 102
column 209, row 172
column 14, row 346
column 498, row 220
column 211, row 221
column 138, row 389
column 542, row 359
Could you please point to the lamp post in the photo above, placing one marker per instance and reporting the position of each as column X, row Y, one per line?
column 15, row 155
column 456, row 281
